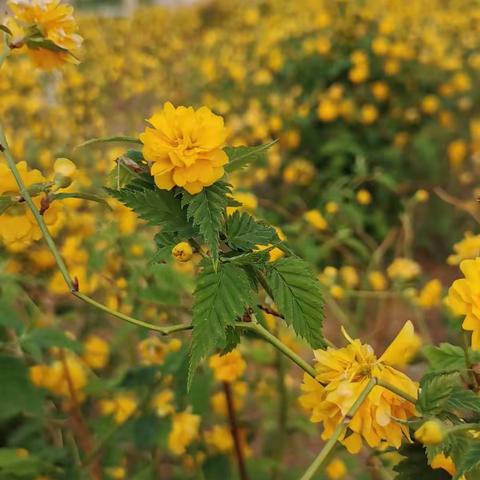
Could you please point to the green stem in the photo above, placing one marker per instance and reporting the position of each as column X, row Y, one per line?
column 163, row 330
column 468, row 360
column 339, row 431
column 39, row 219
column 396, row 390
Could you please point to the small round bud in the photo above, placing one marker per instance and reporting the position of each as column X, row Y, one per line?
column 65, row 171
column 182, row 252
column 421, row 195
column 430, row 433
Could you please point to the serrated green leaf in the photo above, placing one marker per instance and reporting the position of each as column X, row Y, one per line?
column 296, row 292
column 435, row 390
column 220, row 299
column 207, row 210
column 156, row 207
column 447, row 357
column 240, row 157
column 244, row 232
column 259, row 257
column 464, row 400
column 471, row 459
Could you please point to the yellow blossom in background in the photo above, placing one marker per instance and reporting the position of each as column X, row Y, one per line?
column 377, row 281
column 316, row 219
column 349, row 276
column 467, row 248
column 421, row 195
column 275, row 253
column 219, row 403
column 431, row 294
column 457, row 151
column 364, row 197
column 228, row 367
column 184, row 431
column 185, row 147
column 96, row 352
column 55, row 23
column 343, row 373
column 299, row 172
column 336, row 469
column 248, row 200
column 117, row 473
column 464, row 298
column 122, row 406
column 162, row 403
column 219, row 438
column 151, row 351
column 403, row 269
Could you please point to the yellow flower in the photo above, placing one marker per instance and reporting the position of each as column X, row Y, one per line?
column 151, row 351
column 184, row 431
column 364, row 197
column 185, row 147
column 403, row 269
column 65, row 171
column 55, row 23
column 162, row 403
column 220, row 438
column 121, row 406
column 343, row 373
column 316, row 219
column 377, row 280
column 331, row 207
column 464, row 298
column 182, row 252
column 118, row 473
column 430, row 295
column 276, row 252
column 457, row 151
column 299, row 172
column 248, row 200
column 421, row 196
column 327, row 110
column 337, row 292
column 219, row 403
column 430, row 433
column 467, row 248
column 336, row 469
column 96, row 352
column 445, row 463
column 349, row 276
column 228, row 367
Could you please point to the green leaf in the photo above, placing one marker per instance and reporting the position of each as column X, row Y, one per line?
column 464, row 400
column 207, row 210
column 217, row 468
column 257, row 258
column 17, row 393
column 13, row 465
column 49, row 337
column 156, row 207
column 447, row 357
column 415, row 466
column 240, row 157
column 244, row 232
column 112, row 139
column 435, row 391
column 84, row 196
column 220, row 299
column 471, row 459
column 296, row 291
column 127, row 169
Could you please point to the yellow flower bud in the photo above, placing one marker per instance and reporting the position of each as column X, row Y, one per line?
column 430, row 433
column 421, row 195
column 65, row 171
column 182, row 252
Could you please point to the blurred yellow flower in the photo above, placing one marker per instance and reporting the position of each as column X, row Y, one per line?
column 219, row 438
column 96, row 352
column 162, row 403
column 467, row 248
column 228, row 367
column 431, row 294
column 47, row 21
column 184, row 431
column 336, row 469
column 151, row 351
column 377, row 280
column 122, row 406
column 364, row 197
column 316, row 219
column 185, row 147
column 182, row 252
column 403, row 269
